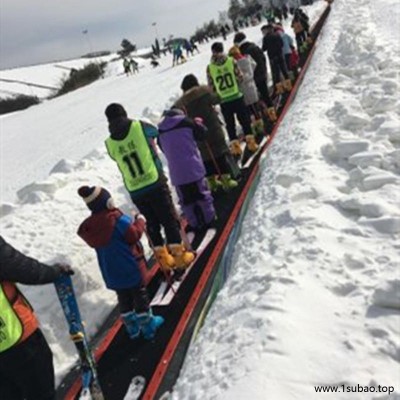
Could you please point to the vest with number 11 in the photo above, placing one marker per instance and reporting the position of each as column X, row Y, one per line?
column 225, row 81
column 134, row 159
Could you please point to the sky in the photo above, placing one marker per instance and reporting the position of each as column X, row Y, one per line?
column 48, row 30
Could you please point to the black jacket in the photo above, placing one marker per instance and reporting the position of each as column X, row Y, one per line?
column 16, row 267
column 251, row 49
column 273, row 45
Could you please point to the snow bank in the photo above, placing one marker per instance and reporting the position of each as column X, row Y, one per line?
column 313, row 297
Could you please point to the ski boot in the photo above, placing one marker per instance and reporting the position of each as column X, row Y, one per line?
column 149, row 324
column 271, row 114
column 303, row 48
column 228, row 182
column 287, row 85
column 258, row 127
column 251, row 143
column 235, row 148
column 213, row 183
column 130, row 320
column 279, row 88
column 183, row 258
column 164, row 258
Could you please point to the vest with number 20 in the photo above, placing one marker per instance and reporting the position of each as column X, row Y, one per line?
column 134, row 159
column 225, row 81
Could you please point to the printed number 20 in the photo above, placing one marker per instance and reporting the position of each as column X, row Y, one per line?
column 225, row 81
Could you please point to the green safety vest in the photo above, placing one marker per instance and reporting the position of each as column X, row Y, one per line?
column 134, row 159
column 225, row 81
column 11, row 328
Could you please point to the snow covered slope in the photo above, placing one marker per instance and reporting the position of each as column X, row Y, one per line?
column 48, row 75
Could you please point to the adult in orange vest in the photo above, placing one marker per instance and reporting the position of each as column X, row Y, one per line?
column 26, row 361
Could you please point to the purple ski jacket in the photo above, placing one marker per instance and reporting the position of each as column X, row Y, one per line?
column 177, row 139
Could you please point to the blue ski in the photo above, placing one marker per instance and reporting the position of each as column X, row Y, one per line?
column 90, row 385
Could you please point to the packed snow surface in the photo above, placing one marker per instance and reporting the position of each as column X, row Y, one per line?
column 313, row 295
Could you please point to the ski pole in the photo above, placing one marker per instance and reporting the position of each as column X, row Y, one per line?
column 214, row 161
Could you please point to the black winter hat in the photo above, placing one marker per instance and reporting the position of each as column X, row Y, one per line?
column 217, row 47
column 189, row 81
column 114, row 111
column 239, row 37
column 96, row 198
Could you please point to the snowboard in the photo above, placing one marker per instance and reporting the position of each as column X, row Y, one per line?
column 91, row 389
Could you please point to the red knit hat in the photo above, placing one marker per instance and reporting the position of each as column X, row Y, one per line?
column 96, row 198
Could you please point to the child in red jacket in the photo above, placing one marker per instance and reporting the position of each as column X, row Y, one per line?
column 115, row 236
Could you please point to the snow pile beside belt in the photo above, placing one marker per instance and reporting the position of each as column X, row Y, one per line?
column 313, row 295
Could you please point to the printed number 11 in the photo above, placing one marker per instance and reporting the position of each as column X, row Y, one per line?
column 136, row 160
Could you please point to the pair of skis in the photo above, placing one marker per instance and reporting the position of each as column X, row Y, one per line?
column 251, row 158
column 91, row 389
column 169, row 287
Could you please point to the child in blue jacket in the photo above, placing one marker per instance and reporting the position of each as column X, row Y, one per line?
column 115, row 237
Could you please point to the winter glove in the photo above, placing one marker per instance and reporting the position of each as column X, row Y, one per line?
column 140, row 216
column 198, row 120
column 65, row 269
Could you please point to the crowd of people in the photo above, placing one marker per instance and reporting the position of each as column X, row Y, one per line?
column 201, row 164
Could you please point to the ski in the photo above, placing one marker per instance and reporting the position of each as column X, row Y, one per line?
column 173, row 288
column 250, row 160
column 160, row 293
column 135, row 388
column 189, row 237
column 91, row 389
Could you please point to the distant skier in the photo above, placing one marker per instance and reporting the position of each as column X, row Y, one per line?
column 199, row 101
column 188, row 47
column 222, row 30
column 248, row 87
column 134, row 66
column 260, row 72
column 288, row 44
column 224, row 76
column 194, row 45
column 131, row 146
column 285, row 11
column 26, row 361
column 177, row 55
column 115, row 237
column 178, row 136
column 273, row 45
column 294, row 62
column 301, row 27
column 127, row 67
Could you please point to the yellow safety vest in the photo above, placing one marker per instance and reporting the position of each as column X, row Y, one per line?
column 134, row 159
column 11, row 328
column 225, row 81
